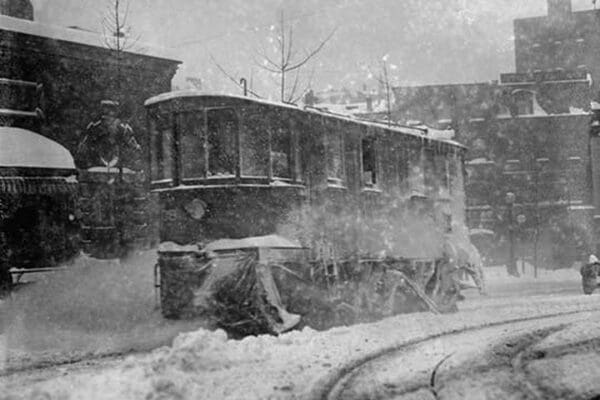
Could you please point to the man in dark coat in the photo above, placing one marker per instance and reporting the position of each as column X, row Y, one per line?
column 589, row 273
column 108, row 142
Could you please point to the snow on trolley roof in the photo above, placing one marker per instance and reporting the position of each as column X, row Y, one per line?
column 421, row 132
column 26, row 149
column 74, row 35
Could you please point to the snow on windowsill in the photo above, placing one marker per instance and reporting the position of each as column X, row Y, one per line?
column 371, row 189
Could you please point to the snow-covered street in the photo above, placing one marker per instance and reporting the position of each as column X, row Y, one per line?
column 303, row 364
column 326, row 199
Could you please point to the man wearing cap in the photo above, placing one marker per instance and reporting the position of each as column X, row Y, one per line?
column 108, row 142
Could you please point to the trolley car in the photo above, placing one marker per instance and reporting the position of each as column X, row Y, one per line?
column 371, row 204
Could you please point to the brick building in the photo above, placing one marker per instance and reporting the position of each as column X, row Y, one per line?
column 561, row 40
column 75, row 72
column 528, row 134
column 52, row 80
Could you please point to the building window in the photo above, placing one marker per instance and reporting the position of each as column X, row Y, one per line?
column 454, row 168
column 416, row 177
column 369, row 162
column 441, row 171
column 161, row 143
column 403, row 167
column 512, row 166
column 334, row 153
column 429, row 171
column 523, row 102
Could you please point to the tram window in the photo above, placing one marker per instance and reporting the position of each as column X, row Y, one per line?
column 455, row 173
column 254, row 143
column 441, row 170
column 403, row 166
column 161, row 136
column 429, row 170
column 191, row 139
column 334, row 154
column 416, row 178
column 281, row 145
column 369, row 162
column 222, row 126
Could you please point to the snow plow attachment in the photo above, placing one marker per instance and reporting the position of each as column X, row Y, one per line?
column 229, row 282
column 267, row 284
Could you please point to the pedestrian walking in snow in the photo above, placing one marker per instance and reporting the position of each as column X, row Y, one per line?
column 589, row 274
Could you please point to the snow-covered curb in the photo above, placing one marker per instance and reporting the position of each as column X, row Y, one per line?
column 498, row 275
column 206, row 365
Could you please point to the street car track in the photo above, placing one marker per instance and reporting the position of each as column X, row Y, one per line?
column 335, row 384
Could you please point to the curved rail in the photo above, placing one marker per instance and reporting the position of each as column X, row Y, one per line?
column 332, row 386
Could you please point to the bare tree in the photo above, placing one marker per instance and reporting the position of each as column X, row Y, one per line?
column 236, row 81
column 385, row 82
column 117, row 33
column 287, row 61
column 383, row 79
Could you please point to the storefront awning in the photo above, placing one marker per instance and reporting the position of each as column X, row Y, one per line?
column 20, row 185
column 21, row 148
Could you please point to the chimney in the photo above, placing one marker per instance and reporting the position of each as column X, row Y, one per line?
column 559, row 9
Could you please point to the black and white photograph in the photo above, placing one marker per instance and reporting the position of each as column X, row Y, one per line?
column 299, row 200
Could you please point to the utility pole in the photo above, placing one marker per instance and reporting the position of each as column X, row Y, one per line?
column 511, row 268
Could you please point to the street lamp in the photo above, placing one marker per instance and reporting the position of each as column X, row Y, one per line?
column 511, row 267
column 521, row 219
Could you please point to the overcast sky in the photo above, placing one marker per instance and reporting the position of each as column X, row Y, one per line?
column 426, row 41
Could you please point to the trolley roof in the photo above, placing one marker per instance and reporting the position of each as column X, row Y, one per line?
column 405, row 130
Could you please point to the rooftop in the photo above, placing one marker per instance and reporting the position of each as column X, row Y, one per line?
column 74, row 35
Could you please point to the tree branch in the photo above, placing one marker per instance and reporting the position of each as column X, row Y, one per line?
column 268, row 59
column 266, row 68
column 126, row 13
column 306, row 88
column 288, row 58
column 312, row 53
column 294, row 87
column 231, row 78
